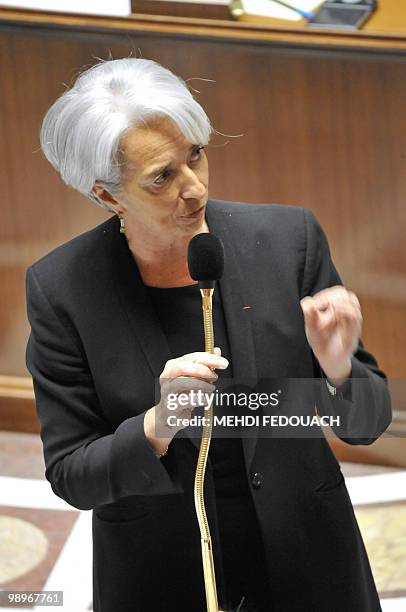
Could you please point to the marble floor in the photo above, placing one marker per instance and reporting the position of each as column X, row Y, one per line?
column 45, row 544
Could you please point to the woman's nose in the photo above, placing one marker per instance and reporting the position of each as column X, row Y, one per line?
column 193, row 186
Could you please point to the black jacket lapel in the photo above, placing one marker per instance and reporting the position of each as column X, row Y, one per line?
column 235, row 295
column 137, row 305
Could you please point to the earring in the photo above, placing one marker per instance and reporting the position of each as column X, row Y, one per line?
column 122, row 224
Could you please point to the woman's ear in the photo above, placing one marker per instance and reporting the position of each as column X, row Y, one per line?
column 105, row 196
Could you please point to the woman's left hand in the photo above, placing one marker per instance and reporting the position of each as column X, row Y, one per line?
column 333, row 323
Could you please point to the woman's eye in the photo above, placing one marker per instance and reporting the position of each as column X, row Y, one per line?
column 162, row 177
column 197, row 153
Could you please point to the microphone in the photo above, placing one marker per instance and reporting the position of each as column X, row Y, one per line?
column 206, row 259
column 206, row 265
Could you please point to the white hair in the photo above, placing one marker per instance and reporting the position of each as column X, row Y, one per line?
column 82, row 131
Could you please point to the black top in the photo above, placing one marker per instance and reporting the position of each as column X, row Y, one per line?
column 180, row 315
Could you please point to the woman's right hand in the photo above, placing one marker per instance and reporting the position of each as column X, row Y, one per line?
column 180, row 381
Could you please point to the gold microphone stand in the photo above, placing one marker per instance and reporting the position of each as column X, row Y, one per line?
column 207, row 551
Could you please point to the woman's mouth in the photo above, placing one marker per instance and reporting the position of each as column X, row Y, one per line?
column 196, row 214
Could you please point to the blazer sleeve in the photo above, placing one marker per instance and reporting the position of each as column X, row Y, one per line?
column 364, row 407
column 87, row 464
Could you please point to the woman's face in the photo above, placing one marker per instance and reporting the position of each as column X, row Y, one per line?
column 164, row 181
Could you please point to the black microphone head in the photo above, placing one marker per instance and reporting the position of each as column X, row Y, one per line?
column 206, row 258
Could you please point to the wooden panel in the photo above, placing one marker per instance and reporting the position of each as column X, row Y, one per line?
column 17, row 404
column 322, row 128
column 388, row 450
column 198, row 10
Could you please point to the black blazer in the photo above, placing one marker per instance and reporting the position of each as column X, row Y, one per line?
column 95, row 352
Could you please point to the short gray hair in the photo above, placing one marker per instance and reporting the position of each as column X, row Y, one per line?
column 82, row 131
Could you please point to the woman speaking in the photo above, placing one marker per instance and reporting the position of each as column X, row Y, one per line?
column 115, row 314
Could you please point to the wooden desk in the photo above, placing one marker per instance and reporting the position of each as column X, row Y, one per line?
column 388, row 21
column 385, row 29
